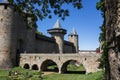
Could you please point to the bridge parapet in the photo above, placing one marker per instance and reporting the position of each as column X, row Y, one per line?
column 66, row 54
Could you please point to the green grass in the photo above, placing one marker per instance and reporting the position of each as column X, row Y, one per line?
column 72, row 67
column 25, row 74
column 92, row 76
column 52, row 67
column 3, row 72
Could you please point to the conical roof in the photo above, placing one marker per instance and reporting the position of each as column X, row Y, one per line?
column 57, row 24
column 73, row 32
column 57, row 28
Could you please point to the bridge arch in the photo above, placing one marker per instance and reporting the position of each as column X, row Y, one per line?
column 67, row 62
column 49, row 62
column 35, row 67
column 26, row 66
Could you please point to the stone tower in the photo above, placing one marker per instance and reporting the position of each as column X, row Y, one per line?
column 30, row 37
column 73, row 37
column 8, row 35
column 58, row 33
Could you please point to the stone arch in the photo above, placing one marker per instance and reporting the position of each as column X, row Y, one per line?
column 66, row 63
column 49, row 62
column 35, row 67
column 26, row 66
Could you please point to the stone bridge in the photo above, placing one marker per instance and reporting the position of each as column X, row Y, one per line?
column 40, row 61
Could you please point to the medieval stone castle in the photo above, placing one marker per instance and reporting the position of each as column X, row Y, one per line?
column 34, row 49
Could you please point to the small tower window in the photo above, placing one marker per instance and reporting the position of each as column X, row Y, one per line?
column 71, row 35
column 1, row 19
column 5, row 7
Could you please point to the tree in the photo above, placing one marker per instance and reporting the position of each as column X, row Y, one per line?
column 44, row 8
column 104, row 60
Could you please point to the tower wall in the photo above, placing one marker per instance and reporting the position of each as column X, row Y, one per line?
column 59, row 37
column 58, row 33
column 74, row 40
column 8, row 35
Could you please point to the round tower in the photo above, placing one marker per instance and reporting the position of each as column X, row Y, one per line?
column 73, row 37
column 58, row 33
column 8, row 35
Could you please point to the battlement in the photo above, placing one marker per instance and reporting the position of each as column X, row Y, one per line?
column 6, row 6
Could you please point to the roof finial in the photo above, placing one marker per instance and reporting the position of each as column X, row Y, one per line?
column 57, row 24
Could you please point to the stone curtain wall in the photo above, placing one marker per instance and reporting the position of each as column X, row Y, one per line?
column 112, row 26
column 44, row 44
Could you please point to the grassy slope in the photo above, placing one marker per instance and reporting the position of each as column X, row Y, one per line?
column 92, row 76
column 23, row 74
column 72, row 67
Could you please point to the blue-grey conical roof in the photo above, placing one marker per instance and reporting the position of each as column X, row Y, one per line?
column 57, row 24
column 73, row 32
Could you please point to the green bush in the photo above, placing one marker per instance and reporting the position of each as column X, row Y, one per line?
column 19, row 73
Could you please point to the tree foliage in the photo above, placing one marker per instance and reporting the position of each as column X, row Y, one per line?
column 104, row 60
column 44, row 8
column 102, row 38
column 40, row 33
column 100, row 6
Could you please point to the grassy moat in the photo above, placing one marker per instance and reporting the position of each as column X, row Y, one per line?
column 74, row 73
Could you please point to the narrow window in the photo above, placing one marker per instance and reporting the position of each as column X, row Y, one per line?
column 5, row 7
column 1, row 19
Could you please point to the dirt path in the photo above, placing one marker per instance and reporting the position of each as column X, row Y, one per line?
column 47, row 73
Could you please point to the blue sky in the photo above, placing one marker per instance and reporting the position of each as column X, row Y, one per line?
column 86, row 22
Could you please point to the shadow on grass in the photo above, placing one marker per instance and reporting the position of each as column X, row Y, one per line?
column 51, row 70
column 75, row 72
column 67, row 72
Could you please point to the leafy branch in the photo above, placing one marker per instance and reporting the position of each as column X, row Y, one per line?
column 44, row 8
